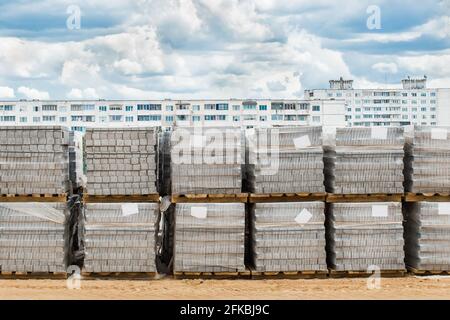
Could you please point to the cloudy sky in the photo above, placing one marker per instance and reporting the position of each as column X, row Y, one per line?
column 159, row 49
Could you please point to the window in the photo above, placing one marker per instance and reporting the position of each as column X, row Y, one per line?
column 196, row 107
column 48, row 118
column 290, row 117
column 7, row 118
column 209, row 117
column 349, row 109
column 263, row 108
column 169, row 108
column 236, row 107
column 149, row 118
column 36, row 108
column 222, row 106
column 103, row 108
column 316, row 108
column 149, row 107
column 423, row 109
column 48, row 107
column 129, row 108
column 196, row 118
column 62, row 119
column 316, row 118
column 302, row 118
column 183, row 107
column 221, row 117
column 182, row 117
column 129, row 118
column 249, row 106
column 23, row 119
column 82, row 107
column 250, row 117
column 262, row 118
column 79, row 129
column 36, row 119
column 277, row 117
column 433, row 94
column 7, row 108
column 210, row 106
column 115, row 107
column 433, row 101
column 115, row 118
column 358, row 109
column 169, row 118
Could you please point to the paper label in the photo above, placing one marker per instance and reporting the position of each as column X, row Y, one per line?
column 380, row 210
column 303, row 217
column 439, row 134
column 129, row 209
column 444, row 209
column 302, row 142
column 199, row 212
column 379, row 133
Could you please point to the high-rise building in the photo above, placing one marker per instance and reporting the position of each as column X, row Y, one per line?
column 413, row 103
column 79, row 115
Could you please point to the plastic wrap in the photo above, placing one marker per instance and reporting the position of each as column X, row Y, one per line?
column 121, row 161
column 361, row 235
column 288, row 236
column 285, row 160
column 207, row 160
column 33, row 237
column 427, row 165
column 209, row 237
column 427, row 235
column 365, row 160
column 120, row 237
column 34, row 160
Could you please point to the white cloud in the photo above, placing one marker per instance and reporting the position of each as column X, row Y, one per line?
column 6, row 92
column 385, row 67
column 88, row 93
column 31, row 93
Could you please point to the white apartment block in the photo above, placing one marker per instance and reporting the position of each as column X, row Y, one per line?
column 78, row 115
column 414, row 104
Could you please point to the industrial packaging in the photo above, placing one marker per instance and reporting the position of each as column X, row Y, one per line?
column 209, row 237
column 288, row 236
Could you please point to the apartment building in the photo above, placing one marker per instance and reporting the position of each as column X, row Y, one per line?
column 413, row 103
column 79, row 115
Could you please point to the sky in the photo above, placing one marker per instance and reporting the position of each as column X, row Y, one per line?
column 192, row 49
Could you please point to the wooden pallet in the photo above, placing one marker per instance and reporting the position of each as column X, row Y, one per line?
column 258, row 275
column 429, row 272
column 433, row 197
column 365, row 274
column 213, row 275
column 375, row 197
column 120, row 198
column 286, row 197
column 210, row 198
column 45, row 197
column 119, row 275
column 32, row 275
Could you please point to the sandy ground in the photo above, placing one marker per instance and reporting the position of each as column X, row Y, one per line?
column 397, row 288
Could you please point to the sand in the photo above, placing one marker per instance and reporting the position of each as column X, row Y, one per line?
column 392, row 288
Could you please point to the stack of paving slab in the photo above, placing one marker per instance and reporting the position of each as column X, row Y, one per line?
column 427, row 236
column 288, row 237
column 365, row 161
column 76, row 168
column 207, row 161
column 120, row 237
column 285, row 160
column 209, row 237
column 33, row 237
column 427, row 165
column 121, row 161
column 164, row 163
column 365, row 236
column 34, row 160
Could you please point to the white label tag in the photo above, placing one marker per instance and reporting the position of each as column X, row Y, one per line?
column 380, row 210
column 439, row 134
column 302, row 142
column 197, row 141
column 303, row 217
column 199, row 212
column 129, row 209
column 379, row 133
column 444, row 209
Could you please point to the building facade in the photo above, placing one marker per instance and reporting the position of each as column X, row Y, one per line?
column 78, row 115
column 413, row 103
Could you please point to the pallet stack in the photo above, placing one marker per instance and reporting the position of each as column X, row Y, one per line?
column 427, row 207
column 206, row 174
column 364, row 175
column 34, row 182
column 287, row 216
column 121, row 213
